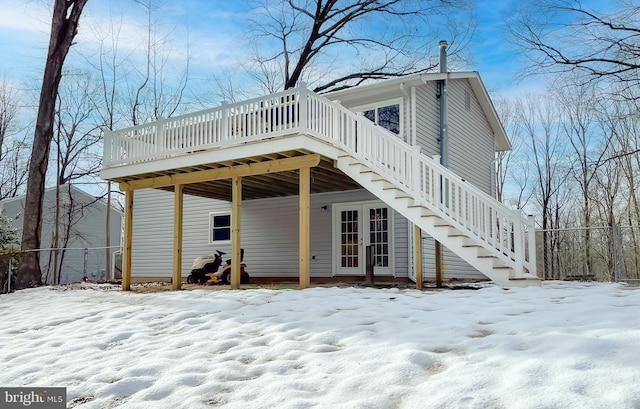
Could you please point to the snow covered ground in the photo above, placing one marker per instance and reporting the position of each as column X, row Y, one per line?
column 565, row 345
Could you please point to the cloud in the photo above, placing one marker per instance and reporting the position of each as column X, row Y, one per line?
column 30, row 17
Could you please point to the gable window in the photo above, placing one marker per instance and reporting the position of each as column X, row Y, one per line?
column 219, row 227
column 387, row 114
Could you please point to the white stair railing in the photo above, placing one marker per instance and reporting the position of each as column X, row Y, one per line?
column 502, row 231
column 506, row 233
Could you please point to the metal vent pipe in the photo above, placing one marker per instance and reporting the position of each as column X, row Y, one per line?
column 442, row 84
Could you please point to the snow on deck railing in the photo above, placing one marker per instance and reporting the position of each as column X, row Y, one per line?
column 505, row 232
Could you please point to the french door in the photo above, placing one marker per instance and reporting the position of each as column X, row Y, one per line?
column 357, row 226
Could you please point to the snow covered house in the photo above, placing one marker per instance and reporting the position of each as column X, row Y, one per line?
column 82, row 231
column 304, row 183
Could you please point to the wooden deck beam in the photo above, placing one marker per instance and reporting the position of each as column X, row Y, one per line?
column 272, row 166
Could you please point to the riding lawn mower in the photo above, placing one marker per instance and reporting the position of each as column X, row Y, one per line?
column 205, row 270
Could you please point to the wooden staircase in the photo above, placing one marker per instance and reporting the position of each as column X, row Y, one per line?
column 434, row 220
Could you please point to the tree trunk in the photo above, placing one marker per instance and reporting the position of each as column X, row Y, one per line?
column 64, row 25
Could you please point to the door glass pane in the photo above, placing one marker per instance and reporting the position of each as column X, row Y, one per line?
column 379, row 234
column 349, row 238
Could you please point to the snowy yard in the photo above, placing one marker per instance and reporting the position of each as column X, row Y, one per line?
column 565, row 345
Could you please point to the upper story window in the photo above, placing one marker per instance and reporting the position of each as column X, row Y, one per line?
column 387, row 114
column 219, row 227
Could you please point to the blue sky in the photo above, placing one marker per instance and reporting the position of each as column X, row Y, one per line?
column 213, row 31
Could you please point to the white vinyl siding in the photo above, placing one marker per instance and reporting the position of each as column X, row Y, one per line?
column 471, row 141
column 428, row 119
column 471, row 152
column 269, row 233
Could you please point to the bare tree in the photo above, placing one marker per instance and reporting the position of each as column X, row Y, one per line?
column 580, row 104
column 540, row 121
column 64, row 26
column 14, row 167
column 566, row 36
column 330, row 43
column 511, row 170
column 13, row 161
column 76, row 140
column 609, row 183
column 77, row 134
column 136, row 86
column 622, row 123
column 151, row 94
column 8, row 110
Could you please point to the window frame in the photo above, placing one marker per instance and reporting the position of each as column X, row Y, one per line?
column 212, row 216
column 360, row 109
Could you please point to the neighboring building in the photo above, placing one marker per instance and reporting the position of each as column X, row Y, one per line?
column 371, row 176
column 81, row 232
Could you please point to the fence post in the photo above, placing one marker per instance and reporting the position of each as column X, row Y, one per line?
column 518, row 242
column 9, row 275
column 533, row 265
column 616, row 243
column 85, row 262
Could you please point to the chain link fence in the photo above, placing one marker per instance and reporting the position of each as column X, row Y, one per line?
column 64, row 265
column 609, row 253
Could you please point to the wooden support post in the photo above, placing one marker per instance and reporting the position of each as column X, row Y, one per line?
column 439, row 263
column 305, row 188
column 236, row 205
column 178, row 201
column 128, row 240
column 417, row 259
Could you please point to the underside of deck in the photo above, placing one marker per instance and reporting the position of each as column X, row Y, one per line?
column 324, row 178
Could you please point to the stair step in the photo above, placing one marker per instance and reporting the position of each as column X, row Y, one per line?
column 461, row 240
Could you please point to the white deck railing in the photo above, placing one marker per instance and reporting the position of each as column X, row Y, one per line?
column 507, row 232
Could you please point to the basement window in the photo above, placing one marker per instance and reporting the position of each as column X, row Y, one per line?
column 219, row 227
